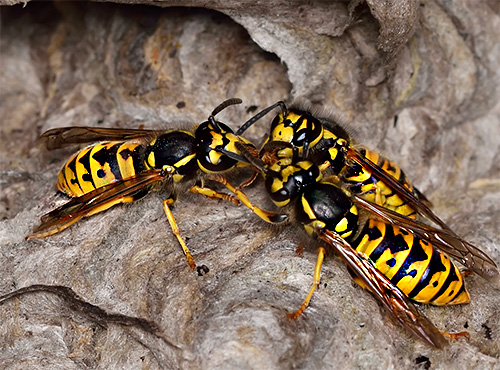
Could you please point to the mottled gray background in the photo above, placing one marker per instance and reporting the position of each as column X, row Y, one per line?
column 416, row 80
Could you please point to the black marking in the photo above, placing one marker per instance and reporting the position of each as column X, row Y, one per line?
column 180, row 105
column 391, row 262
column 125, row 153
column 205, row 137
column 435, row 266
column 395, row 243
column 391, row 168
column 87, row 177
column 101, row 156
column 452, row 277
column 101, row 174
column 72, row 166
column 85, row 161
column 108, row 155
column 416, row 254
column 374, row 233
column 413, row 273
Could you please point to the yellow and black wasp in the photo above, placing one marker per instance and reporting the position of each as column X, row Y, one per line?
column 395, row 256
column 298, row 134
column 125, row 164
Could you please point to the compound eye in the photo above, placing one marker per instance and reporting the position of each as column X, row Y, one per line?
column 276, row 122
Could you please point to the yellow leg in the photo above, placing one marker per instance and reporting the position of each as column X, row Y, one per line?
column 265, row 215
column 250, row 181
column 324, row 166
column 176, row 232
column 455, row 336
column 212, row 194
column 317, row 275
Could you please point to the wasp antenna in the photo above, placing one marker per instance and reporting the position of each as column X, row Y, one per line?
column 250, row 158
column 261, row 114
column 224, row 105
column 219, row 108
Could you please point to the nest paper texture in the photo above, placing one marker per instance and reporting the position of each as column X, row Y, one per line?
column 417, row 81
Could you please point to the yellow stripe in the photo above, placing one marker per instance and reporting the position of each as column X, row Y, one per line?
column 407, row 283
column 368, row 246
column 126, row 166
column 72, row 188
column 307, row 208
column 95, row 167
column 452, row 290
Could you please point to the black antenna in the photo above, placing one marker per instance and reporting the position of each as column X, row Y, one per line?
column 225, row 104
column 219, row 108
column 261, row 114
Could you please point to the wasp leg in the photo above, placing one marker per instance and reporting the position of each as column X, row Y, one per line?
column 454, row 336
column 176, row 231
column 251, row 180
column 265, row 215
column 212, row 194
column 299, row 250
column 357, row 279
column 317, row 275
column 467, row 272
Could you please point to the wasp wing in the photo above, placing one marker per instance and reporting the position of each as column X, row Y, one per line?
column 421, row 204
column 94, row 202
column 65, row 136
column 443, row 239
column 386, row 292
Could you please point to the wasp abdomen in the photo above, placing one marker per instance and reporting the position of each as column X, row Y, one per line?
column 417, row 268
column 100, row 165
column 361, row 181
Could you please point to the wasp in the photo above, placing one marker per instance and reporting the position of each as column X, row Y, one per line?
column 396, row 257
column 329, row 145
column 299, row 134
column 123, row 165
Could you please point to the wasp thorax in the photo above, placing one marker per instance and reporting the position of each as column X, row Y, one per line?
column 174, row 148
column 331, row 206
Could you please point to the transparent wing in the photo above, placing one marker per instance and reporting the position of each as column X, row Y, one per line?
column 92, row 202
column 421, row 204
column 65, row 136
column 443, row 239
column 387, row 293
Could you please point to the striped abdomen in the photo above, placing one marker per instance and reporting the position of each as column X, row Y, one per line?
column 418, row 269
column 361, row 181
column 108, row 162
column 100, row 165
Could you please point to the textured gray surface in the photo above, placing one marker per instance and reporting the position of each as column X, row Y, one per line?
column 126, row 66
